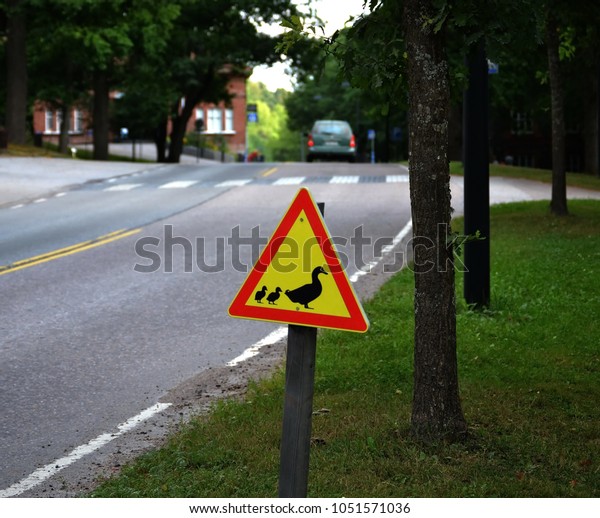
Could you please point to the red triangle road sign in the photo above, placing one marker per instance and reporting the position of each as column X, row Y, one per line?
column 299, row 278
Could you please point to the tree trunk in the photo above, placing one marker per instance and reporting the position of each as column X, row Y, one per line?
column 177, row 134
column 63, row 139
column 100, row 115
column 178, row 128
column 437, row 413
column 16, row 74
column 160, row 139
column 558, row 204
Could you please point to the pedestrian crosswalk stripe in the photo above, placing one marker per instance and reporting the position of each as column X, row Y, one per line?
column 345, row 179
column 396, row 178
column 291, row 180
column 123, row 187
column 240, row 182
column 180, row 184
column 234, row 183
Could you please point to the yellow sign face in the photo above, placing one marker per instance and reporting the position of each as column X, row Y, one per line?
column 299, row 278
column 294, row 267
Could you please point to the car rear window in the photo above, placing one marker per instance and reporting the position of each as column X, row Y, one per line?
column 332, row 128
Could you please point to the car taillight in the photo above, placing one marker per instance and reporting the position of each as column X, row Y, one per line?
column 311, row 142
column 352, row 141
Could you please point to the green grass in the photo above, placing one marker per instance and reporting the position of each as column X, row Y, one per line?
column 529, row 373
column 583, row 180
column 14, row 150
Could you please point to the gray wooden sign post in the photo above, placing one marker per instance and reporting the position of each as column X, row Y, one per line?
column 297, row 411
column 297, row 408
column 339, row 310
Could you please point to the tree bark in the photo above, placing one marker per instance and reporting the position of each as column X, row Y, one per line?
column 558, row 203
column 436, row 413
column 178, row 128
column 160, row 139
column 101, row 115
column 63, row 139
column 16, row 74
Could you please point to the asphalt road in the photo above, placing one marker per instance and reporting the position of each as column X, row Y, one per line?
column 88, row 342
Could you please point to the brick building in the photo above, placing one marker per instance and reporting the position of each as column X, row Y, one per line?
column 221, row 122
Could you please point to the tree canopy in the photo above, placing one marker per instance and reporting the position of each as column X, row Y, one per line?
column 155, row 53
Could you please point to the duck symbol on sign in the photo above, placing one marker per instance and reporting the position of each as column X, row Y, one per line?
column 305, row 294
column 260, row 294
column 273, row 296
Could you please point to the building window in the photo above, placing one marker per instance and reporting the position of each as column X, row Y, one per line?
column 229, row 120
column 49, row 121
column 215, row 121
column 78, row 121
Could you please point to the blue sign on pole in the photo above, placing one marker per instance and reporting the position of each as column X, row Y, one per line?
column 252, row 117
column 371, row 137
column 493, row 68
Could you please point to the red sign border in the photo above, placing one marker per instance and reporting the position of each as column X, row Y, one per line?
column 356, row 321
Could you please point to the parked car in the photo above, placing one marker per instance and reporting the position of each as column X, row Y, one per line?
column 331, row 140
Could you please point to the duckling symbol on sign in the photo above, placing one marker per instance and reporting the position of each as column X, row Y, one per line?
column 299, row 278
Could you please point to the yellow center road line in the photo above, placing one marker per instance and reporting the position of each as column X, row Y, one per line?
column 269, row 172
column 69, row 250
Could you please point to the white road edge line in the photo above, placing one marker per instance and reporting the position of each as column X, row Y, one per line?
column 45, row 472
column 369, row 266
column 253, row 350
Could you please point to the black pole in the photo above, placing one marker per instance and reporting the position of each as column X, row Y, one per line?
column 476, row 179
column 297, row 408
column 598, row 122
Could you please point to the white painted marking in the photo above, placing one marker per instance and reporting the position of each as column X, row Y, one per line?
column 253, row 350
column 60, row 194
column 40, row 200
column 180, row 184
column 291, row 180
column 234, row 183
column 111, row 180
column 396, row 178
column 344, row 179
column 403, row 233
column 397, row 239
column 18, row 206
column 367, row 268
column 123, row 187
column 357, row 275
column 45, row 472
